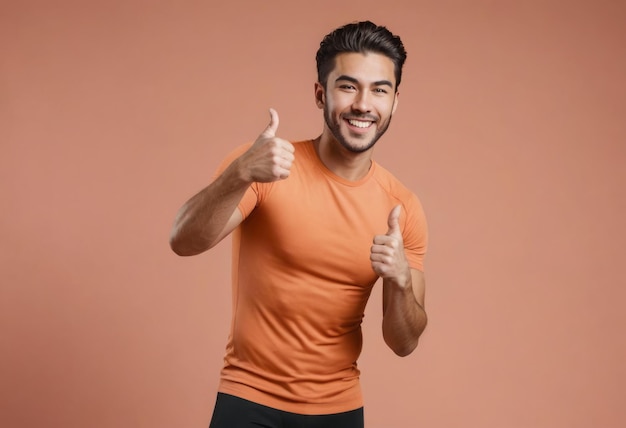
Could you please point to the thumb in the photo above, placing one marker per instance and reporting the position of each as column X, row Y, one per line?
column 271, row 129
column 393, row 221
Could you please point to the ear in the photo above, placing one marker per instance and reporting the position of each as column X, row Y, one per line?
column 395, row 103
column 320, row 95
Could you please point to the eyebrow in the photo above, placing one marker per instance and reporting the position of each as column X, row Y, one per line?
column 353, row 80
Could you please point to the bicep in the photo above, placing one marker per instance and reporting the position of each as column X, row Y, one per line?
column 419, row 286
column 235, row 220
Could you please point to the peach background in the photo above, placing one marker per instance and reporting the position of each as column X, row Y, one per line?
column 511, row 128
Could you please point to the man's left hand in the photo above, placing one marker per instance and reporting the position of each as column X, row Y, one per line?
column 387, row 253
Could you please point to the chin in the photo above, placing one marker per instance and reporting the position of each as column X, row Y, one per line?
column 357, row 148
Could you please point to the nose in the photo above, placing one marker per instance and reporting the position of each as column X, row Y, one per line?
column 361, row 102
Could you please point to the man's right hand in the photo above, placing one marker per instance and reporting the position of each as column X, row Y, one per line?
column 269, row 158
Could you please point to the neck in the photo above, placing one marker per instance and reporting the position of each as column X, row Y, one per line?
column 342, row 162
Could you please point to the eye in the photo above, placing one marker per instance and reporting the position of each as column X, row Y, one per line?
column 347, row 87
column 380, row 91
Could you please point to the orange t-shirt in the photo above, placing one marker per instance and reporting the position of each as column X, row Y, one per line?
column 301, row 279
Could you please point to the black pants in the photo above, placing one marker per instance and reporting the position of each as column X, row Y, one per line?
column 235, row 412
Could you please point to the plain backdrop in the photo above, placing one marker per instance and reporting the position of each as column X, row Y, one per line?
column 511, row 128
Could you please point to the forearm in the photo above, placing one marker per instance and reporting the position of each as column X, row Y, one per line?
column 404, row 319
column 202, row 218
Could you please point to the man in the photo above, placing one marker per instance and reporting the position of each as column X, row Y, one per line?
column 309, row 242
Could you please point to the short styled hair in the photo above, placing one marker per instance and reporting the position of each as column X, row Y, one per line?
column 359, row 37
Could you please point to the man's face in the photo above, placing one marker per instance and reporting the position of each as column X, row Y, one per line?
column 359, row 99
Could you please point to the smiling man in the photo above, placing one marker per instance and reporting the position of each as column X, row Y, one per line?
column 315, row 224
column 369, row 104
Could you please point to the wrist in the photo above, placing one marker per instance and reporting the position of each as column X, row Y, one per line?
column 240, row 175
column 401, row 282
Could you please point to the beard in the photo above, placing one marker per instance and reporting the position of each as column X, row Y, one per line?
column 334, row 128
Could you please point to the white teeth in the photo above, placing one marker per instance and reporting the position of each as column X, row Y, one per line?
column 359, row 123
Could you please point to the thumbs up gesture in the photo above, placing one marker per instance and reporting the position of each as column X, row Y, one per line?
column 269, row 158
column 387, row 252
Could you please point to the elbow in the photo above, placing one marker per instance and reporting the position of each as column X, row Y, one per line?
column 178, row 249
column 186, row 247
column 403, row 344
column 405, row 349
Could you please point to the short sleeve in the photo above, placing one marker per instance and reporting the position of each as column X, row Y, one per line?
column 415, row 233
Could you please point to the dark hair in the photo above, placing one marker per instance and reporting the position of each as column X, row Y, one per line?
column 359, row 37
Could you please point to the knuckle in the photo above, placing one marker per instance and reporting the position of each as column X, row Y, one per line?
column 273, row 148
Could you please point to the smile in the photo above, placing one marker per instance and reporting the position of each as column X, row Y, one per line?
column 360, row 123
